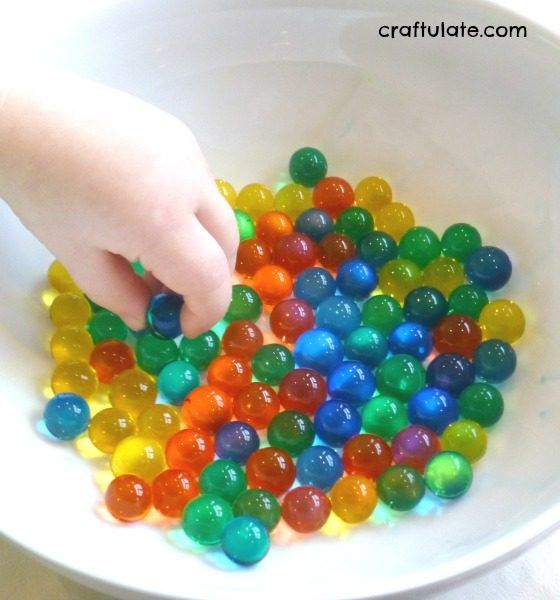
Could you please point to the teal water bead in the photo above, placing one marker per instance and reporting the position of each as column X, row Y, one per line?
column 425, row 305
column 205, row 518
column 260, row 504
column 153, row 352
column 366, row 345
column 245, row 225
column 382, row 312
column 291, row 431
column 468, row 299
column 201, row 350
column 224, row 478
column 106, row 325
column 245, row 540
column 377, row 248
column 420, row 245
column 355, row 222
column 400, row 376
column 271, row 362
column 308, row 166
column 460, row 240
column 245, row 304
column 481, row 402
column 176, row 380
column 401, row 487
column 448, row 474
column 384, row 416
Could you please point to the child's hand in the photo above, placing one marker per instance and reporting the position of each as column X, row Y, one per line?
column 102, row 178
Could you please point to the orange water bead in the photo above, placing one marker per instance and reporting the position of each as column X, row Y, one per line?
column 172, row 490
column 333, row 195
column 271, row 469
column 251, row 256
column 111, row 357
column 242, row 339
column 353, row 498
column 256, row 404
column 208, row 408
column 229, row 373
column 457, row 333
column 272, row 283
column 272, row 226
column 189, row 450
column 334, row 249
column 128, row 498
column 367, row 455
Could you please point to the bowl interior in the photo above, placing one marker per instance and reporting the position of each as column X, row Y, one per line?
column 464, row 129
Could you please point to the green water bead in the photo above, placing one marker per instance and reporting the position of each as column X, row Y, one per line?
column 201, row 350
column 448, row 474
column 106, row 325
column 308, row 166
column 382, row 312
column 400, row 376
column 468, row 299
column 224, row 478
column 245, row 304
column 400, row 487
column 384, row 416
column 367, row 345
column 420, row 245
column 291, row 431
column 138, row 268
column 459, row 240
column 482, row 403
column 245, row 225
column 176, row 380
column 94, row 307
column 466, row 437
column 355, row 222
column 153, row 352
column 205, row 518
column 271, row 362
column 260, row 504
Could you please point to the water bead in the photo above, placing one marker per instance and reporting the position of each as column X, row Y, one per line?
column 229, row 374
column 245, row 540
column 420, row 245
column 273, row 226
column 108, row 427
column 74, row 377
column 502, row 319
column 314, row 285
column 336, row 422
column 255, row 199
column 457, row 333
column 425, row 305
column 245, row 225
column 414, row 446
column 448, row 475
column 315, row 223
column 292, row 199
column 259, row 504
column 128, row 498
column 384, row 416
column 460, row 240
column 245, row 303
column 242, row 339
column 227, row 191
column 164, row 315
column 291, row 431
column 351, row 381
column 110, row 358
column 251, row 256
column 138, row 455
column 290, row 318
column 450, row 372
column 356, row 279
column 395, row 219
column 339, row 314
column 306, row 509
column 71, row 343
column 60, row 279
column 372, row 193
column 353, row 498
column 481, row 402
column 468, row 299
column 272, row 283
column 176, row 380
column 319, row 466
column 271, row 469
column 70, row 308
column 295, row 253
column 201, row 350
column 494, row 361
column 399, row 277
column 367, row 455
column 189, row 450
column 308, row 166
column 133, row 391
column 159, row 422
column 153, row 352
column 256, row 404
column 401, row 487
column 223, row 478
column 382, row 312
column 172, row 490
column 205, row 518
column 466, row 437
column 488, row 267
column 433, row 408
column 400, row 376
column 207, row 408
column 444, row 274
column 367, row 345
column 411, row 338
column 236, row 441
column 66, row 416
column 333, row 195
column 355, row 222
column 318, row 349
column 377, row 248
column 106, row 325
column 271, row 362
column 302, row 390
column 334, row 249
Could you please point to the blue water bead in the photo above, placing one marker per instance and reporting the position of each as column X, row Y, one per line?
column 377, row 248
column 425, row 305
column 236, row 441
column 315, row 223
column 245, row 540
column 314, row 285
column 434, row 408
column 318, row 349
column 356, row 279
column 164, row 315
column 66, row 416
column 351, row 381
column 367, row 345
column 338, row 314
column 411, row 338
column 488, row 267
column 494, row 361
column 450, row 372
column 336, row 422
column 319, row 466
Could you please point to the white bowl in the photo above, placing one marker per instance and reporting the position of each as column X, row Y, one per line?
column 465, row 130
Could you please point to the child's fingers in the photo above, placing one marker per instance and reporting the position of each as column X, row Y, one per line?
column 201, row 311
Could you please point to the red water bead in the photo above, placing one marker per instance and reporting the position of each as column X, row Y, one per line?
column 334, row 249
column 272, row 226
column 242, row 339
column 306, row 509
column 295, row 252
column 414, row 446
column 111, row 357
column 251, row 256
column 367, row 455
column 290, row 318
column 189, row 450
column 333, row 195
column 303, row 390
column 272, row 283
column 208, row 408
column 457, row 333
column 271, row 469
column 257, row 404
column 172, row 490
column 229, row 373
column 128, row 498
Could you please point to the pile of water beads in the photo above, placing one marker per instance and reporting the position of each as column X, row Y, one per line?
column 359, row 358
